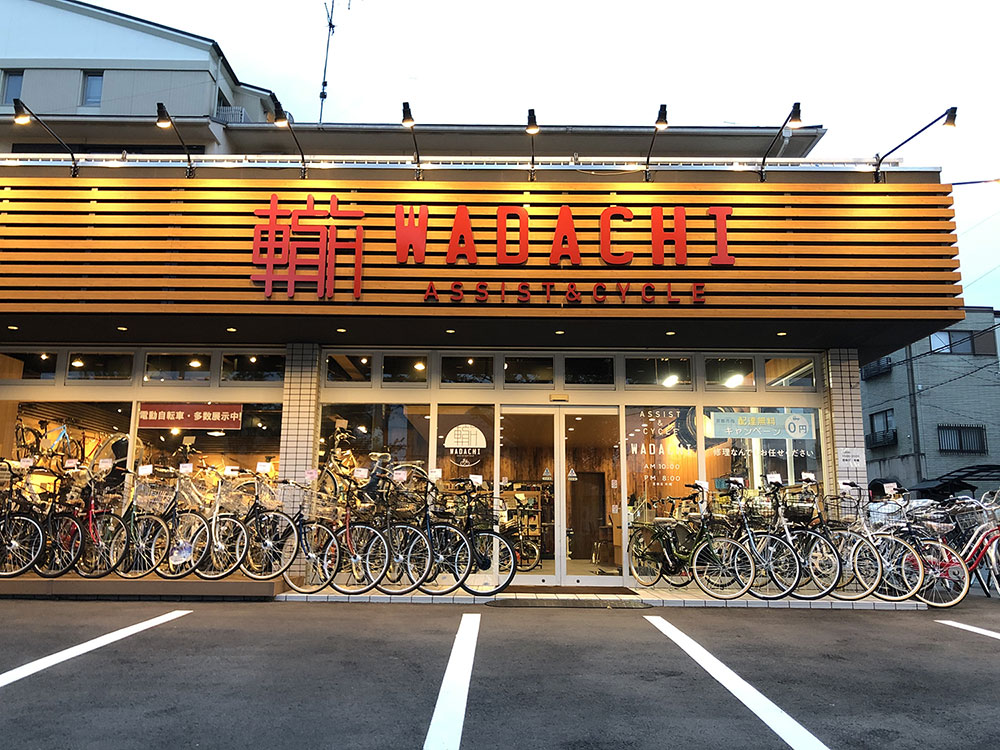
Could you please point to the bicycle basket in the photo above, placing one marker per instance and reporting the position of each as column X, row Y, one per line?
column 268, row 496
column 760, row 507
column 968, row 519
column 153, row 497
column 107, row 497
column 841, row 509
column 235, row 496
column 800, row 510
column 319, row 505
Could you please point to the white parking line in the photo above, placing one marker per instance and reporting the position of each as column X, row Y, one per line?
column 793, row 733
column 445, row 732
column 60, row 656
column 970, row 628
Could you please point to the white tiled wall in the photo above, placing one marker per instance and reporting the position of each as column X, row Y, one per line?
column 843, row 420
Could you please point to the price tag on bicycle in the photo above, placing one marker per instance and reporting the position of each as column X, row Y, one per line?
column 808, row 476
column 360, row 472
column 145, row 470
column 231, row 471
column 476, row 479
column 186, row 468
column 105, row 464
column 27, row 462
column 263, row 467
column 72, row 464
column 434, row 474
column 889, row 488
column 312, row 475
column 399, row 475
column 703, row 484
column 737, row 480
column 774, row 478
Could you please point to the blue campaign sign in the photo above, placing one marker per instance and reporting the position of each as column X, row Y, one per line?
column 769, row 426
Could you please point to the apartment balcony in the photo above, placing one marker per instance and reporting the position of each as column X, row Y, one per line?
column 231, row 114
column 876, row 368
column 880, row 439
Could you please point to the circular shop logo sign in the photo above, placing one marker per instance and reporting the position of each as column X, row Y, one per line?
column 465, row 444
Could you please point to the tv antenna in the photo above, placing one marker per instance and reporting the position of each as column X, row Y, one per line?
column 330, row 27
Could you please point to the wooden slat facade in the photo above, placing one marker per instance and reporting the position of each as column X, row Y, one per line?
column 850, row 251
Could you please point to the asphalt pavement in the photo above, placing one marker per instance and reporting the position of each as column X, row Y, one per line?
column 291, row 675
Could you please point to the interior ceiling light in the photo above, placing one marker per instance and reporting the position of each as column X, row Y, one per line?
column 781, row 333
column 230, row 330
column 175, row 430
column 734, row 381
column 449, row 330
column 419, row 366
column 670, row 381
column 44, row 356
column 364, row 360
column 560, row 333
column 122, row 328
column 216, row 433
column 579, row 419
column 194, row 363
column 77, row 362
column 253, row 359
column 671, row 333
column 341, row 330
column 471, row 361
column 12, row 328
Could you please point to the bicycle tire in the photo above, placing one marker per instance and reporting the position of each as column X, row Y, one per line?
column 26, row 442
column 527, row 555
column 21, row 542
column 492, row 564
column 821, row 568
column 946, row 576
column 409, row 559
column 100, row 555
column 645, row 556
column 902, row 568
column 779, row 570
column 63, row 545
column 451, row 560
column 272, row 546
column 184, row 545
column 316, row 561
column 227, row 547
column 363, row 559
column 861, row 563
column 723, row 568
column 139, row 554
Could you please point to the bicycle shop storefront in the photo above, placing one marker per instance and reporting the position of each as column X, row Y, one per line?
column 584, row 349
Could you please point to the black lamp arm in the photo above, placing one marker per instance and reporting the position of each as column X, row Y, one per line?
column 75, row 169
column 774, row 140
column 887, row 154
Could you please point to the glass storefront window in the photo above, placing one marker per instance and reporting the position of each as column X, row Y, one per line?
column 27, row 366
column 727, row 453
column 162, row 368
column 590, row 371
column 661, row 456
column 465, row 441
column 667, row 372
column 404, row 369
column 402, row 430
column 257, row 439
column 729, row 372
column 797, row 449
column 789, row 372
column 99, row 366
column 527, row 370
column 253, row 368
column 349, row 368
column 467, row 370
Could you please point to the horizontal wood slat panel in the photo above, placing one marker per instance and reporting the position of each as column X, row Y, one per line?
column 805, row 250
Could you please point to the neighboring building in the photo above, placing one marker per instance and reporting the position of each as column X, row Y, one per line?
column 600, row 334
column 934, row 406
column 90, row 66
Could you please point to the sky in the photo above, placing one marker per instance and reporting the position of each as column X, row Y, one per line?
column 872, row 73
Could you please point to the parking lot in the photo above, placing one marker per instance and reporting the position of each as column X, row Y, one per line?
column 289, row 675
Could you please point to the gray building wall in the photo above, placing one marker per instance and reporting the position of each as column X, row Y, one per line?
column 926, row 390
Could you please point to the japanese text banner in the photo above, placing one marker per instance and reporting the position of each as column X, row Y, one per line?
column 191, row 416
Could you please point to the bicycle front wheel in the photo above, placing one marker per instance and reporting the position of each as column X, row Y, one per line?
column 527, row 555
column 317, row 559
column 645, row 556
column 363, row 554
column 451, row 555
column 182, row 548
column 492, row 564
column 139, row 554
column 902, row 568
column 723, row 568
column 273, row 545
column 63, row 545
column 778, row 568
column 409, row 559
column 821, row 568
column 21, row 542
column 946, row 576
column 861, row 564
column 102, row 545
column 227, row 548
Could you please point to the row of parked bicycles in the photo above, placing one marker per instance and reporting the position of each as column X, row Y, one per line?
column 386, row 527
column 785, row 542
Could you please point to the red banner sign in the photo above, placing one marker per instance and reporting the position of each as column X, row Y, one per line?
column 191, row 416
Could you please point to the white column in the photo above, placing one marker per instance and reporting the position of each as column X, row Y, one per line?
column 299, row 415
column 843, row 420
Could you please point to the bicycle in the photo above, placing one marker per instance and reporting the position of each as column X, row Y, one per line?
column 450, row 548
column 105, row 535
column 21, row 537
column 721, row 566
column 272, row 542
column 318, row 552
column 363, row 551
column 62, row 538
column 228, row 536
column 31, row 442
column 493, row 558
